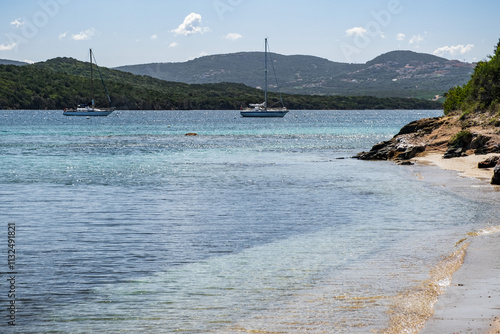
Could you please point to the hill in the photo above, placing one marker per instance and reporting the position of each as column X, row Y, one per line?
column 470, row 125
column 64, row 82
column 407, row 57
column 12, row 62
column 394, row 74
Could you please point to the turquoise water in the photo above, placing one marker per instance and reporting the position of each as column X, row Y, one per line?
column 124, row 224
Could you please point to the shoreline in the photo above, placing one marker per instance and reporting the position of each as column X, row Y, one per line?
column 470, row 303
column 465, row 166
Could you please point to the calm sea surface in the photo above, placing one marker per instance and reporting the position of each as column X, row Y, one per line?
column 124, row 224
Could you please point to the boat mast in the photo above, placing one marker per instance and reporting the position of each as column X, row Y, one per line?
column 92, row 78
column 265, row 91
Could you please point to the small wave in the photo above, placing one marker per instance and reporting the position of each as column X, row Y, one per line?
column 412, row 308
column 485, row 231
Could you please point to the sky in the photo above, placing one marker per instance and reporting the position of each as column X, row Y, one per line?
column 128, row 32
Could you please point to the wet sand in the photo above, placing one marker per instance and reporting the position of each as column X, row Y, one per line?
column 472, row 301
column 471, row 304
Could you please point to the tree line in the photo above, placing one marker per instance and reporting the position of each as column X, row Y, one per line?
column 65, row 82
column 481, row 93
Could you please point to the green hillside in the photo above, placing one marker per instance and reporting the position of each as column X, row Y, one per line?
column 482, row 93
column 406, row 57
column 64, row 82
column 394, row 74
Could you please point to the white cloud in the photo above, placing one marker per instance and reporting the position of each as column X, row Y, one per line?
column 17, row 23
column 233, row 36
column 400, row 37
column 84, row 35
column 453, row 50
column 356, row 31
column 173, row 45
column 8, row 47
column 416, row 39
column 192, row 25
column 62, row 36
column 154, row 37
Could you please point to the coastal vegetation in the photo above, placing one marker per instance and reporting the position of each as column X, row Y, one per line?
column 481, row 94
column 470, row 124
column 64, row 82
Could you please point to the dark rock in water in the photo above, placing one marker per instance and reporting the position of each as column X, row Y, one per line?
column 496, row 175
column 410, row 152
column 380, row 151
column 406, row 144
column 191, row 134
column 489, row 163
column 394, row 149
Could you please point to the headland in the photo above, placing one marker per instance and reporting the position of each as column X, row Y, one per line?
column 470, row 302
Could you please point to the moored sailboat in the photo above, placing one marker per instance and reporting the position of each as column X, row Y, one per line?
column 89, row 109
column 262, row 109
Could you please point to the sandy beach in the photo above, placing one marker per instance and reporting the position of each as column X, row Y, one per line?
column 471, row 303
column 465, row 166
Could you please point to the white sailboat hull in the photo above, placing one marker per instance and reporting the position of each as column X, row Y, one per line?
column 87, row 112
column 264, row 113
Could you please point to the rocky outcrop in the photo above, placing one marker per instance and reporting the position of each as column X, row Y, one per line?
column 393, row 149
column 447, row 135
column 465, row 141
column 406, row 144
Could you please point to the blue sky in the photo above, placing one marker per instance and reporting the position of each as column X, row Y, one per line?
column 123, row 32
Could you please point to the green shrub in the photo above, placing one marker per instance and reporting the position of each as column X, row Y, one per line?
column 460, row 138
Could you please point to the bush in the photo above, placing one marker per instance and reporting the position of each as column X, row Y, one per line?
column 482, row 92
column 460, row 139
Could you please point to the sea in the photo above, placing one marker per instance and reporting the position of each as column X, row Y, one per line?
column 126, row 224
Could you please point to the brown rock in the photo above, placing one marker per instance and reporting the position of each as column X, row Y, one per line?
column 496, row 175
column 489, row 163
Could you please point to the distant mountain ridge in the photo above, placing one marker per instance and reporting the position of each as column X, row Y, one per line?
column 393, row 74
column 12, row 62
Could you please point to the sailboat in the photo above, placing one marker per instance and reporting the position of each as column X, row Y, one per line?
column 261, row 109
column 89, row 109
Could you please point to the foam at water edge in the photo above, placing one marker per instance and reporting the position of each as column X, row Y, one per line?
column 485, row 231
column 410, row 309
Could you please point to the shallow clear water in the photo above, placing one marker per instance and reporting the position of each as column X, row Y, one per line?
column 124, row 224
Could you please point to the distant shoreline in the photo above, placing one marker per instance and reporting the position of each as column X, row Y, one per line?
column 236, row 109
